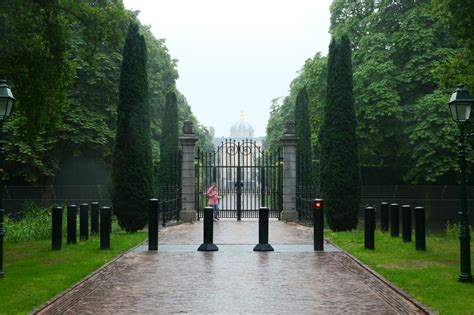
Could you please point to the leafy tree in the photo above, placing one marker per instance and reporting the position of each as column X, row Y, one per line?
column 132, row 166
column 340, row 170
column 303, row 131
column 44, row 44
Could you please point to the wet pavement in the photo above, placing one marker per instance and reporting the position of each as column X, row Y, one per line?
column 179, row 279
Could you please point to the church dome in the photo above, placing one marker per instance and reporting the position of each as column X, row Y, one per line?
column 241, row 129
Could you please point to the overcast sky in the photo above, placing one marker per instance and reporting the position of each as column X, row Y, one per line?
column 237, row 55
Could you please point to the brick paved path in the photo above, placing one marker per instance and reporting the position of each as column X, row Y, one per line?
column 178, row 279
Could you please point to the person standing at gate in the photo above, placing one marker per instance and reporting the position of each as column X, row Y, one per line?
column 214, row 197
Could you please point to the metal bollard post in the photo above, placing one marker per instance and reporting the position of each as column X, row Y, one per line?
column 95, row 218
column 420, row 236
column 105, row 214
column 406, row 223
column 153, row 224
column 57, row 228
column 263, row 245
column 384, row 216
column 208, row 244
column 318, row 224
column 71, row 224
column 394, row 220
column 369, row 228
column 84, row 221
column 1, row 242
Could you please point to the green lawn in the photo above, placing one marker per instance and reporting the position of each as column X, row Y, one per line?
column 34, row 273
column 430, row 277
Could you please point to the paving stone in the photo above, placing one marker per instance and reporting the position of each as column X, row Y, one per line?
column 238, row 280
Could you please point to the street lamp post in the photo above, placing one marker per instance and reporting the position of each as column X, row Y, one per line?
column 6, row 106
column 460, row 105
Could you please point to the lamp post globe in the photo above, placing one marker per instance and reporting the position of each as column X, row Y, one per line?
column 460, row 104
column 6, row 108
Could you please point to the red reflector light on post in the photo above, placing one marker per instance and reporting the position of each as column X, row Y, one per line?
column 318, row 203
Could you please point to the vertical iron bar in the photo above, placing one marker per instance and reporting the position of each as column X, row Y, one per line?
column 208, row 226
column 84, row 221
column 263, row 245
column 95, row 218
column 406, row 223
column 369, row 227
column 57, row 228
column 420, row 237
column 153, row 224
column 1, row 242
column 318, row 224
column 105, row 218
column 464, row 237
column 394, row 220
column 384, row 216
column 72, row 224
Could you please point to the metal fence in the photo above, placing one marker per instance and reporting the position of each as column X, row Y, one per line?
column 16, row 198
column 441, row 202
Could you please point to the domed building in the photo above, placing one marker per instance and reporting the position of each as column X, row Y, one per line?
column 241, row 129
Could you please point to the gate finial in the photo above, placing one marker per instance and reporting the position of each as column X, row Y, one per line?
column 188, row 127
column 289, row 128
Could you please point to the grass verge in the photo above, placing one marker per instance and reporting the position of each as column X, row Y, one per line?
column 429, row 276
column 34, row 273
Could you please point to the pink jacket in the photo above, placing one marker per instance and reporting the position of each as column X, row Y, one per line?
column 213, row 196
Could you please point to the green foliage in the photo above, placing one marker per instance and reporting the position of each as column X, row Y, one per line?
column 34, row 224
column 169, row 145
column 339, row 163
column 303, row 130
column 30, row 265
column 403, row 59
column 312, row 76
column 428, row 276
column 132, row 166
column 185, row 113
column 44, row 43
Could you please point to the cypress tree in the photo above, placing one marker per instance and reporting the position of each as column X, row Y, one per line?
column 169, row 144
column 340, row 169
column 303, row 131
column 132, row 177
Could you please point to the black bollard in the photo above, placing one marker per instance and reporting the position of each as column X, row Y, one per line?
column 369, row 227
column 95, row 218
column 153, row 224
column 263, row 245
column 406, row 223
column 208, row 244
column 384, row 216
column 318, row 224
column 1, row 243
column 84, row 221
column 420, row 236
column 105, row 215
column 71, row 224
column 57, row 232
column 394, row 220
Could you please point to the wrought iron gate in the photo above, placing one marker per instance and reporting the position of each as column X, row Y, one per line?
column 246, row 176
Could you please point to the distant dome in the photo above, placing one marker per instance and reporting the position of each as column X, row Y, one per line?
column 241, row 129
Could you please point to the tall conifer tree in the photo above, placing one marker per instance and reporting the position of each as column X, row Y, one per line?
column 132, row 166
column 169, row 143
column 340, row 169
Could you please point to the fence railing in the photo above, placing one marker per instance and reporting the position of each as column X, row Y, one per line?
column 304, row 207
column 169, row 210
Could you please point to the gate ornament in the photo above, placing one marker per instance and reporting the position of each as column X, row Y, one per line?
column 290, row 128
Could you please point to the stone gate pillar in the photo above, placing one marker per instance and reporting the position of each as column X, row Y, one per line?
column 188, row 142
column 288, row 142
